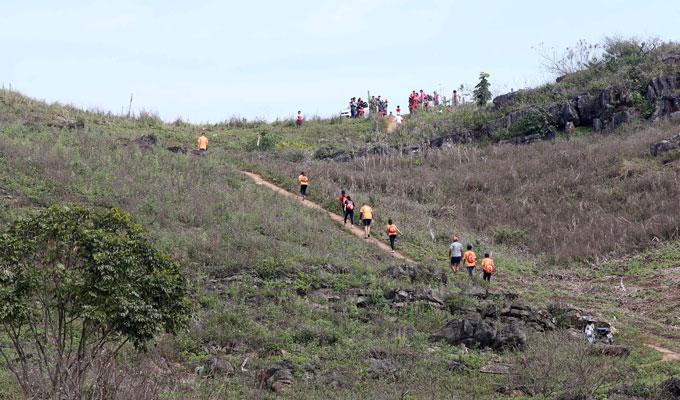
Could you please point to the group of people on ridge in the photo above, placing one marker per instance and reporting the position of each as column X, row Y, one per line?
column 357, row 107
column 421, row 100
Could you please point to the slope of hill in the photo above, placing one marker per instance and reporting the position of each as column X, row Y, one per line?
column 287, row 304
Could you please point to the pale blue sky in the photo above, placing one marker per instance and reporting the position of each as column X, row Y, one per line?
column 210, row 60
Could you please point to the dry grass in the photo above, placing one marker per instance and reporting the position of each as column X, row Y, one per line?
column 568, row 199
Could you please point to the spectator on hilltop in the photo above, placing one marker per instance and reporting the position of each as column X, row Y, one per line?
column 373, row 105
column 435, row 99
column 361, row 105
column 455, row 99
column 353, row 107
column 398, row 110
column 298, row 121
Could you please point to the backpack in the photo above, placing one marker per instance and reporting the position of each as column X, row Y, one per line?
column 349, row 206
column 470, row 258
column 489, row 268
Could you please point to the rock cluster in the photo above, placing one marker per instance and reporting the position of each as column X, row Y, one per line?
column 658, row 148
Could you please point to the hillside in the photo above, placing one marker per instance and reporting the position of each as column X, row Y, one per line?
column 288, row 304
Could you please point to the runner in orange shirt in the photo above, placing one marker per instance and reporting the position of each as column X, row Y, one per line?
column 304, row 182
column 470, row 260
column 392, row 231
column 488, row 267
column 202, row 143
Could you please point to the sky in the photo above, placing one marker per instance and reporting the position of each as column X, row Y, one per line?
column 209, row 61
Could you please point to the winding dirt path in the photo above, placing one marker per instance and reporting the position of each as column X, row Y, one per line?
column 355, row 230
column 666, row 354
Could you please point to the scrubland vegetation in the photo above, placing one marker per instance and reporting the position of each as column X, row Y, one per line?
column 281, row 298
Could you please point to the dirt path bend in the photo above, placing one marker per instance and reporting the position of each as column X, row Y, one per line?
column 666, row 354
column 355, row 230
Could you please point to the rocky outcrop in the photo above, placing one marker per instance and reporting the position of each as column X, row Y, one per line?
column 670, row 389
column 277, row 379
column 381, row 368
column 422, row 273
column 472, row 331
column 566, row 316
column 536, row 319
column 658, row 148
column 610, row 350
column 402, row 297
column 478, row 332
column 214, row 367
column 146, row 142
column 177, row 149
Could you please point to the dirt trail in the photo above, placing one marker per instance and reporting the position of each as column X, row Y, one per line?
column 357, row 231
column 667, row 355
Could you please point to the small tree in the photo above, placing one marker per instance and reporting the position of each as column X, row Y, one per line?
column 76, row 285
column 482, row 94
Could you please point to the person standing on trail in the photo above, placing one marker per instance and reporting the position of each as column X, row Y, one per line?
column 366, row 216
column 298, row 121
column 455, row 254
column 455, row 99
column 342, row 199
column 349, row 210
column 392, row 232
column 488, row 267
column 202, row 143
column 398, row 111
column 304, row 182
column 470, row 260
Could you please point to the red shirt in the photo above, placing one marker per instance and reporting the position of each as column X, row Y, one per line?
column 342, row 199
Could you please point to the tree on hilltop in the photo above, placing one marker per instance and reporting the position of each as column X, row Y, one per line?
column 482, row 94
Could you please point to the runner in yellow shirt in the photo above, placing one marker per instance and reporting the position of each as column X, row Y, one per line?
column 366, row 216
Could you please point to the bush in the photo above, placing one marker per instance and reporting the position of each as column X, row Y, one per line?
column 264, row 141
column 510, row 236
column 534, row 122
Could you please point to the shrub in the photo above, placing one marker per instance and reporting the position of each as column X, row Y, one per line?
column 75, row 286
column 534, row 122
column 510, row 236
column 558, row 364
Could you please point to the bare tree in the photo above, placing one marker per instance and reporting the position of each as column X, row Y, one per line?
column 572, row 59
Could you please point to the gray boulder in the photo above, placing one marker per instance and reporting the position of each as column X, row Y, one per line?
column 570, row 114
column 278, row 379
column 472, row 331
column 658, row 148
column 513, row 336
column 661, row 86
column 508, row 99
column 597, row 125
column 621, row 117
column 381, row 368
column 584, row 107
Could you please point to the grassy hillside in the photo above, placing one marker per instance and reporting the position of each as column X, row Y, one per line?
column 591, row 221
